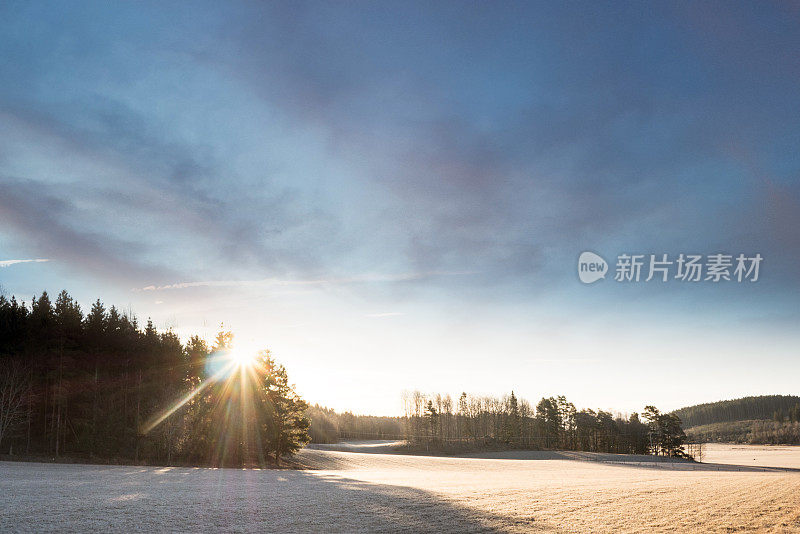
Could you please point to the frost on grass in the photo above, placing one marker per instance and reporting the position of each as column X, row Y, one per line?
column 381, row 492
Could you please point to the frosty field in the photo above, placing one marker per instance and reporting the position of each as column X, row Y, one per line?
column 348, row 490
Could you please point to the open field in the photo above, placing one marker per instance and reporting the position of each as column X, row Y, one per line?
column 377, row 491
column 754, row 455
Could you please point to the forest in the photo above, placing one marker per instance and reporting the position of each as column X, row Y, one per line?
column 99, row 387
column 436, row 422
column 746, row 408
column 767, row 419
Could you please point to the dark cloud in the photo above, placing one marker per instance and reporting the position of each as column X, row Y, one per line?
column 476, row 185
column 494, row 140
column 43, row 220
column 182, row 186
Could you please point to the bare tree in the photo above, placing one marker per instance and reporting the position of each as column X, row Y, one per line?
column 14, row 385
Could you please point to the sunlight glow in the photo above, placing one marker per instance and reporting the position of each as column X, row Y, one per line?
column 225, row 364
column 159, row 418
column 242, row 357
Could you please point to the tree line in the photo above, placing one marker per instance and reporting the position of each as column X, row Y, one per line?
column 100, row 387
column 472, row 422
column 792, row 415
column 756, row 432
column 746, row 408
column 329, row 426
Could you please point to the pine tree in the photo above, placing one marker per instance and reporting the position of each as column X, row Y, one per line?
column 95, row 330
column 285, row 429
column 432, row 416
column 666, row 435
column 512, row 430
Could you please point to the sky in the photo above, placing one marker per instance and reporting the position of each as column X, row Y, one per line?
column 394, row 196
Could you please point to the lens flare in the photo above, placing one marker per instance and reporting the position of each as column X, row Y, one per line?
column 235, row 379
column 242, row 357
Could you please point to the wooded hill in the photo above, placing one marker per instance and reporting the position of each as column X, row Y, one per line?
column 744, row 409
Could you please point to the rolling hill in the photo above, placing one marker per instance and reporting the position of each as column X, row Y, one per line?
column 744, row 409
column 749, row 419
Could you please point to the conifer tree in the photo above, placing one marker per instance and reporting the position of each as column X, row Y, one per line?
column 285, row 429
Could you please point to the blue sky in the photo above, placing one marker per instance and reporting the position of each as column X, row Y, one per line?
column 395, row 197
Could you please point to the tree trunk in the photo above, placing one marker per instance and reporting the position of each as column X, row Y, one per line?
column 60, row 394
column 44, row 413
column 138, row 405
column 278, row 448
column 30, row 416
column 92, row 450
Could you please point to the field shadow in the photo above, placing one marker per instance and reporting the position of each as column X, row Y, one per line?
column 125, row 499
column 353, row 505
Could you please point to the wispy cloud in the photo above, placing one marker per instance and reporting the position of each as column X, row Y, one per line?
column 6, row 263
column 385, row 314
column 43, row 217
column 365, row 278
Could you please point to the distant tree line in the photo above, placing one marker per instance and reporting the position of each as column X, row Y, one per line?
column 774, row 433
column 792, row 415
column 755, row 432
column 329, row 426
column 97, row 386
column 763, row 407
column 731, row 431
column 554, row 423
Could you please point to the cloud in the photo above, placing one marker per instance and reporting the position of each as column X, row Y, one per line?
column 579, row 136
column 153, row 193
column 6, row 263
column 44, row 219
column 267, row 282
column 261, row 139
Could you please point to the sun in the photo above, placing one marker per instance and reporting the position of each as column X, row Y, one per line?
column 242, row 357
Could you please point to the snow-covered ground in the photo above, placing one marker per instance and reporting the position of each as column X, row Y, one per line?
column 761, row 455
column 377, row 491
